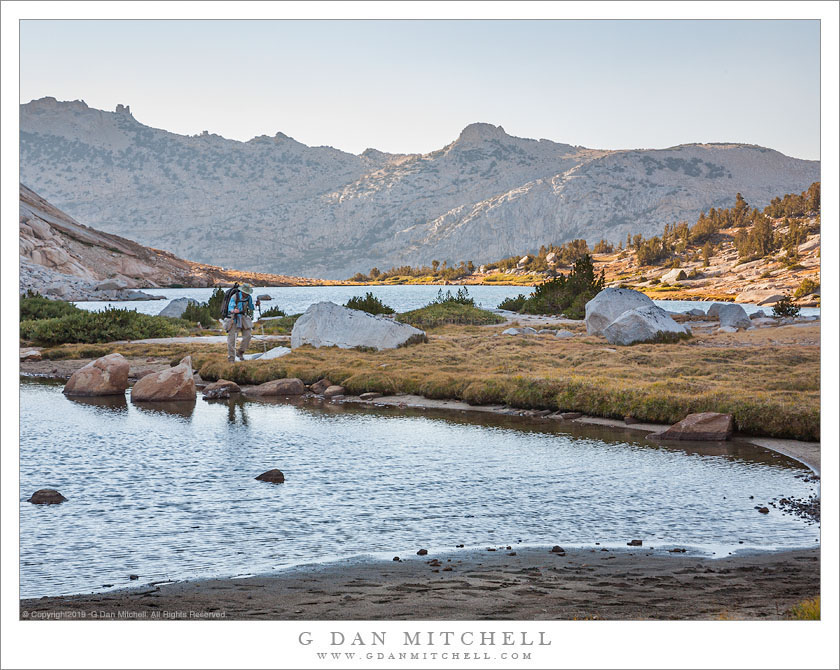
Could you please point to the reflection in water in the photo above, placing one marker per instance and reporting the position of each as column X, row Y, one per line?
column 115, row 403
column 236, row 407
column 153, row 493
column 182, row 408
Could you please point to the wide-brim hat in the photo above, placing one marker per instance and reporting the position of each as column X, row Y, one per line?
column 246, row 288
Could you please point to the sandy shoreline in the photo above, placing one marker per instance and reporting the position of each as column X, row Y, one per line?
column 458, row 584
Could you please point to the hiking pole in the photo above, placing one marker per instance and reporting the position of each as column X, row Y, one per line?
column 262, row 326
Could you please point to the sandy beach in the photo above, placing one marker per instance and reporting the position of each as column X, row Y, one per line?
column 631, row 583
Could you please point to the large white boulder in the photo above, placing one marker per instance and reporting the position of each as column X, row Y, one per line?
column 642, row 325
column 734, row 316
column 610, row 304
column 175, row 308
column 714, row 310
column 326, row 324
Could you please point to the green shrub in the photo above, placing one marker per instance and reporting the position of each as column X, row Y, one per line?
column 200, row 313
column 807, row 287
column 370, row 304
column 461, row 297
column 108, row 325
column 785, row 307
column 34, row 306
column 513, row 304
column 567, row 294
column 273, row 311
column 214, row 303
column 438, row 314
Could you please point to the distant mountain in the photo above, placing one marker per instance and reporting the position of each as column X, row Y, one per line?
column 276, row 205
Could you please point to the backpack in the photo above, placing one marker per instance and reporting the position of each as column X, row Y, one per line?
column 226, row 302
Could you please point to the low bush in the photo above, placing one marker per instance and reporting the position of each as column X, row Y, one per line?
column 108, row 325
column 566, row 294
column 439, row 314
column 272, row 311
column 785, row 307
column 807, row 287
column 513, row 304
column 370, row 304
column 34, row 306
column 460, row 297
column 200, row 313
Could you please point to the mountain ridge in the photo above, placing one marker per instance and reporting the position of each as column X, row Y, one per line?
column 275, row 204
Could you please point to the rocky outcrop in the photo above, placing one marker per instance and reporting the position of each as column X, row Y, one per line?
column 609, row 304
column 46, row 497
column 278, row 387
column 104, row 376
column 643, row 324
column 526, row 330
column 176, row 383
column 63, row 259
column 703, row 426
column 733, row 316
column 486, row 195
column 326, row 324
column 220, row 389
column 175, row 308
column 714, row 309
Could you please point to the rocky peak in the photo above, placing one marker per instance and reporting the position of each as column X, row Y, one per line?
column 123, row 109
column 481, row 132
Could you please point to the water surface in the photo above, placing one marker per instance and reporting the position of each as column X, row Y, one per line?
column 168, row 491
column 295, row 299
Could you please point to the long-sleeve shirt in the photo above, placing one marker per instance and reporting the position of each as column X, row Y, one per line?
column 242, row 301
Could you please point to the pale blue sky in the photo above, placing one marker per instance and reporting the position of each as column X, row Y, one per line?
column 411, row 86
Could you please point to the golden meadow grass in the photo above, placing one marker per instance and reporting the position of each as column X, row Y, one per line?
column 771, row 389
column 769, row 379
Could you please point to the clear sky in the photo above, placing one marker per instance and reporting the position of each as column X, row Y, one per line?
column 411, row 86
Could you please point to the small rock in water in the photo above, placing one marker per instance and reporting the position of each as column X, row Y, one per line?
column 677, row 550
column 273, row 476
column 320, row 386
column 491, row 549
column 763, row 510
column 422, row 552
column 512, row 553
column 396, row 558
column 370, row 396
column 557, row 549
column 46, row 497
column 333, row 391
column 634, row 543
column 133, row 577
column 459, row 546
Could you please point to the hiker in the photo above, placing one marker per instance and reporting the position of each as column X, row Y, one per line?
column 240, row 309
